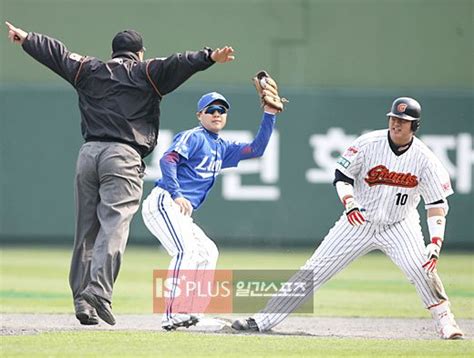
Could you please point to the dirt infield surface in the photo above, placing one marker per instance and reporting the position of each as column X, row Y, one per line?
column 375, row 328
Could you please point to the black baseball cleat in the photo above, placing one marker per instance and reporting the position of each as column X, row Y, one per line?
column 179, row 320
column 102, row 306
column 248, row 324
column 88, row 317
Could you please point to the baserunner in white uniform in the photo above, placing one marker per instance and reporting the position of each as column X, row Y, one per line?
column 190, row 168
column 379, row 180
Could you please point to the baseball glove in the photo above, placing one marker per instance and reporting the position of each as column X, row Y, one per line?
column 267, row 89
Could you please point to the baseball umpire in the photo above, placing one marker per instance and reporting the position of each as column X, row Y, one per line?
column 119, row 101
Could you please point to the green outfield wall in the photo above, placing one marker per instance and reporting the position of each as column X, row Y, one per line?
column 341, row 63
column 343, row 43
column 285, row 197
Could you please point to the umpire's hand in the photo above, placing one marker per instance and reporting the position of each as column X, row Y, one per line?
column 15, row 34
column 222, row 55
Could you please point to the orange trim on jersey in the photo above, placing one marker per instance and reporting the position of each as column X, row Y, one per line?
column 79, row 70
column 151, row 81
column 381, row 175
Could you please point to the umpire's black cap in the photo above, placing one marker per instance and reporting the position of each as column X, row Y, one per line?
column 127, row 40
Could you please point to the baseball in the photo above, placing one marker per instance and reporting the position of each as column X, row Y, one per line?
column 263, row 82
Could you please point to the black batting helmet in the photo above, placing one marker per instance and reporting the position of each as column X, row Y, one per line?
column 407, row 108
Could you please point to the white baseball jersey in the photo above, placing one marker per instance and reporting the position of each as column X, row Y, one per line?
column 388, row 186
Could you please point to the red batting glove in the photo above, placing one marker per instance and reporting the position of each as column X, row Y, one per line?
column 430, row 265
column 354, row 216
column 432, row 253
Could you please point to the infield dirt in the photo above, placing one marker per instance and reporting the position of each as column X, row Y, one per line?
column 368, row 328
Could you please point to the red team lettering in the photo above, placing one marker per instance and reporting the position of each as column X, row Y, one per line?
column 381, row 175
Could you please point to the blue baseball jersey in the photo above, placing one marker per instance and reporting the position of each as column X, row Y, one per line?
column 196, row 156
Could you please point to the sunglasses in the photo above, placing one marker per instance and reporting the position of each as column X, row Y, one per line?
column 213, row 108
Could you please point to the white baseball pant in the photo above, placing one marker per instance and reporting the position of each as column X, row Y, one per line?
column 402, row 242
column 184, row 241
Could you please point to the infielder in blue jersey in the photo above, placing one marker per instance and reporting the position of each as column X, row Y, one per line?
column 190, row 168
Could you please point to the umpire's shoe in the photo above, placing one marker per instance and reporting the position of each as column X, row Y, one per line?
column 88, row 317
column 248, row 324
column 102, row 306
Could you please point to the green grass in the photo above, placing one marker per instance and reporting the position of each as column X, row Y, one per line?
column 133, row 344
column 36, row 280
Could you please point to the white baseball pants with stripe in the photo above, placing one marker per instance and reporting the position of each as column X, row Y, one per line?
column 402, row 242
column 184, row 241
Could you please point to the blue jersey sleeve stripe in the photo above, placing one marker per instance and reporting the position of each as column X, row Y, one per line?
column 184, row 138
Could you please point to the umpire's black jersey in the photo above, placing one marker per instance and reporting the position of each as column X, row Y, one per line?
column 119, row 99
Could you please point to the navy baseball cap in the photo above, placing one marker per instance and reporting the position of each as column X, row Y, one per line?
column 127, row 40
column 208, row 98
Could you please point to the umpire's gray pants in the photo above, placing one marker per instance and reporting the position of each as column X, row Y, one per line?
column 108, row 189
